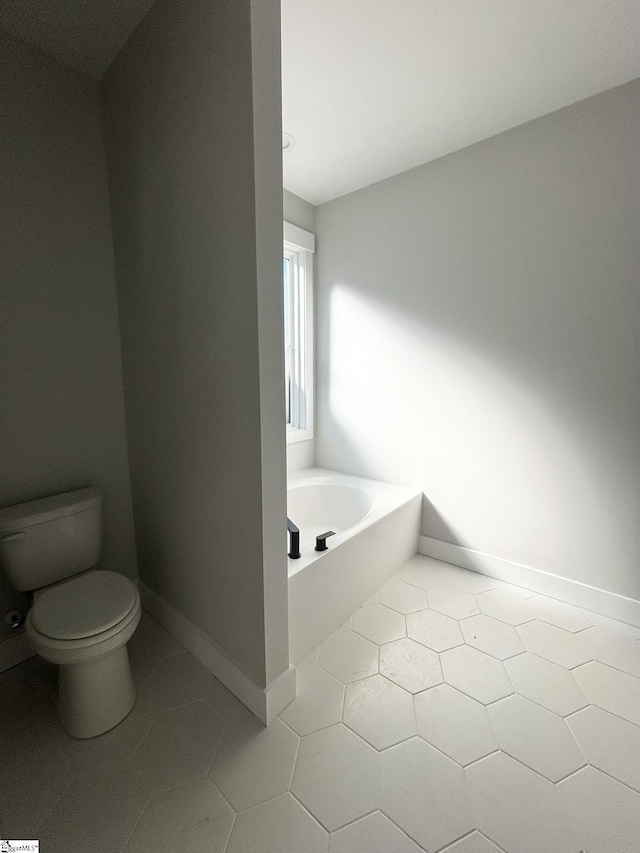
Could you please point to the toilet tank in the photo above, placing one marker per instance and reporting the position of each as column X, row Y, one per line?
column 48, row 540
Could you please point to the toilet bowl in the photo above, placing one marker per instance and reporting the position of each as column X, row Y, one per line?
column 83, row 625
column 82, row 616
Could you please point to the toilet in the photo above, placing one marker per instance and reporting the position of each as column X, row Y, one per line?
column 82, row 617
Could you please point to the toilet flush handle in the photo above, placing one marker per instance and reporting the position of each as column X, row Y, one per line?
column 10, row 537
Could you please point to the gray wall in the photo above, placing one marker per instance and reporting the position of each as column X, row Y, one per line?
column 477, row 332
column 297, row 211
column 194, row 166
column 62, row 422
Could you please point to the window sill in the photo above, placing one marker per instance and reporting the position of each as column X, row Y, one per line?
column 295, row 434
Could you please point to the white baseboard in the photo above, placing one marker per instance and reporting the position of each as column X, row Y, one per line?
column 564, row 589
column 265, row 703
column 14, row 649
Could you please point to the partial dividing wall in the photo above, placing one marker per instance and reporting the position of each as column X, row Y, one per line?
column 477, row 334
column 62, row 422
column 192, row 121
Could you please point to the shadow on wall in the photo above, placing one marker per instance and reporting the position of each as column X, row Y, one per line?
column 355, row 462
column 505, row 467
column 437, row 526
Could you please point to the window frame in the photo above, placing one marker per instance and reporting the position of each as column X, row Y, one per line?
column 299, row 248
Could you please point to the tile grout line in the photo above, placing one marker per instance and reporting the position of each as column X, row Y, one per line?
column 606, row 711
column 137, row 823
column 599, row 770
column 311, row 815
column 233, row 826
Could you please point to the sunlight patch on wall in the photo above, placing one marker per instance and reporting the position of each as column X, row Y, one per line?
column 409, row 405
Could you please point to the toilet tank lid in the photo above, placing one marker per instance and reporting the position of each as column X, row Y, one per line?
column 14, row 518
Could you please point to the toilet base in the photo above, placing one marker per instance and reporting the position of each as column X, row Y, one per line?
column 96, row 694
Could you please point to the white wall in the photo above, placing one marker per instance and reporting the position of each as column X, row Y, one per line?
column 62, row 422
column 192, row 121
column 267, row 160
column 297, row 211
column 477, row 334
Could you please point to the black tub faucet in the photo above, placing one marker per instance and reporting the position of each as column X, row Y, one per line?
column 321, row 541
column 294, row 540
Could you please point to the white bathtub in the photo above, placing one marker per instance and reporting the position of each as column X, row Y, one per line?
column 376, row 529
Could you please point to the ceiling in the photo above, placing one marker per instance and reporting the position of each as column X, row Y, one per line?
column 374, row 87
column 86, row 34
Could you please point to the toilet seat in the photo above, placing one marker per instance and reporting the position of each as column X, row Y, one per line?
column 87, row 648
column 86, row 608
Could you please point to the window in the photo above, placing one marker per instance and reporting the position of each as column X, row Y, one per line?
column 299, row 246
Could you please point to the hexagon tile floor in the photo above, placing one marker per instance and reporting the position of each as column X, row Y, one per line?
column 451, row 713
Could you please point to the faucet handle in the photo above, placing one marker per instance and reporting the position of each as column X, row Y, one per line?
column 294, row 540
column 321, row 541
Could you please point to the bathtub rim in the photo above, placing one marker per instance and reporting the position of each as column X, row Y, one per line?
column 386, row 497
column 295, row 487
